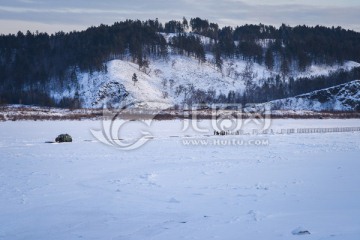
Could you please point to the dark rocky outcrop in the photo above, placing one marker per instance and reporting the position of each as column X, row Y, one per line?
column 63, row 138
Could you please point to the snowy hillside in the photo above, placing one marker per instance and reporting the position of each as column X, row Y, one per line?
column 176, row 63
column 343, row 97
column 167, row 82
column 162, row 85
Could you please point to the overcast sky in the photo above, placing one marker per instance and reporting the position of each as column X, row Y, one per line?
column 66, row 15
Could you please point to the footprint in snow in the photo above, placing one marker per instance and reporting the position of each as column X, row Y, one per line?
column 173, row 200
column 149, row 176
column 300, row 231
column 255, row 215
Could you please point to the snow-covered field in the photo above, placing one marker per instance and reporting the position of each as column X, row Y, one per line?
column 169, row 190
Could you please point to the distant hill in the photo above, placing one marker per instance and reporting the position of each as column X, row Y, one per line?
column 177, row 63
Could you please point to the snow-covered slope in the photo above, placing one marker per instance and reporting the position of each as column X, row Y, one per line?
column 164, row 84
column 324, row 70
column 167, row 82
column 344, row 97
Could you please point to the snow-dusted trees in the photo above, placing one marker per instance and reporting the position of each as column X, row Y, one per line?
column 226, row 41
column 174, row 27
column 189, row 45
column 248, row 75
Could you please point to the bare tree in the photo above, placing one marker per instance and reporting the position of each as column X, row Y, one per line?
column 248, row 74
column 165, row 94
column 172, row 83
column 164, row 82
column 134, row 78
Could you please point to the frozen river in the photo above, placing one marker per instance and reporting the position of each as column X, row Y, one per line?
column 179, row 185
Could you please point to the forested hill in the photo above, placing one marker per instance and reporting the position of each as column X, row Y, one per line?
column 33, row 65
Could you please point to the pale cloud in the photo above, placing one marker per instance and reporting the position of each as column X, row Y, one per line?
column 7, row 26
column 52, row 16
column 67, row 10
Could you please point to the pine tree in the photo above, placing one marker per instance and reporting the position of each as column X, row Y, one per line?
column 284, row 68
column 269, row 59
column 134, row 78
column 185, row 24
column 218, row 60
